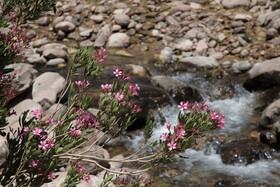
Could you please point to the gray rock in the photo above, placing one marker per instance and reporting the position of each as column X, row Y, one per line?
column 271, row 113
column 276, row 24
column 36, row 59
column 172, row 21
column 268, row 19
column 4, row 151
column 235, row 3
column 65, row 26
column 221, row 37
column 201, row 47
column 120, row 6
column 239, row 67
column 102, row 36
column 25, row 74
column 116, row 165
column 137, row 70
column 264, row 75
column 40, row 42
column 60, row 35
column 216, row 55
column 58, row 20
column 243, row 17
column 200, row 61
column 51, row 46
column 192, row 33
column 31, row 34
column 184, row 45
column 97, row 18
column 122, row 19
column 166, row 54
column 56, row 111
column 56, row 61
column 27, row 104
column 47, row 91
column 86, row 33
column 116, row 28
column 43, row 21
column 86, row 43
column 118, row 40
column 52, row 53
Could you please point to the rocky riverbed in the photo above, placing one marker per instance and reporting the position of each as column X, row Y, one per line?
column 228, row 43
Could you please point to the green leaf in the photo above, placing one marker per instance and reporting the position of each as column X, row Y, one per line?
column 106, row 181
column 148, row 131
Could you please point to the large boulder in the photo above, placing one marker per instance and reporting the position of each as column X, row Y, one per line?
column 268, row 19
column 118, row 40
column 243, row 152
column 46, row 87
column 264, row 75
column 25, row 74
column 236, row 3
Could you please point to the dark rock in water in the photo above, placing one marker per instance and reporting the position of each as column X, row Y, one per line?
column 243, row 152
column 264, row 75
column 270, row 137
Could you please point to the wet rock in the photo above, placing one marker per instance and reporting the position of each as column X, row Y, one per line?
column 25, row 74
column 97, row 18
column 270, row 137
column 116, row 165
column 65, row 26
column 235, row 3
column 51, row 46
column 243, row 152
column 46, row 91
column 52, row 53
column 271, row 114
column 122, row 20
column 43, row 21
column 200, row 61
column 86, row 33
column 40, row 42
column 137, row 70
column 56, row 61
column 102, row 36
column 271, row 33
column 166, row 54
column 239, row 67
column 184, row 45
column 118, row 40
column 177, row 89
column 264, row 75
column 201, row 47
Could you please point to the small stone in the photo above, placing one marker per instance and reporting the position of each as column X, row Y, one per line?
column 31, row 34
column 235, row 3
column 102, row 36
column 221, row 37
column 65, row 26
column 200, row 61
column 217, row 55
column 121, row 6
column 118, row 40
column 40, row 42
column 244, row 53
column 56, row 61
column 86, row 43
column 122, row 20
column 184, row 45
column 195, row 6
column 60, row 35
column 243, row 17
column 86, row 33
column 116, row 28
column 43, row 21
column 97, row 18
column 241, row 66
column 52, row 53
column 166, row 54
column 138, row 26
column 58, row 20
column 172, row 22
column 201, row 47
column 36, row 59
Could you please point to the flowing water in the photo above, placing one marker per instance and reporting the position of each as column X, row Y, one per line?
column 201, row 169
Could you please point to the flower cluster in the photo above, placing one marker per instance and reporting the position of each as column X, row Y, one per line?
column 14, row 39
column 5, row 86
column 121, row 74
column 218, row 118
column 82, row 85
column 81, row 171
column 100, row 56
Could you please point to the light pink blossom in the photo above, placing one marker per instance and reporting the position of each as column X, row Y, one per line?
column 119, row 96
column 164, row 137
column 37, row 113
column 37, row 131
column 86, row 177
column 106, row 87
column 171, row 145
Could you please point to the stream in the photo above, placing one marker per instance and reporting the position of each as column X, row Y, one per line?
column 204, row 167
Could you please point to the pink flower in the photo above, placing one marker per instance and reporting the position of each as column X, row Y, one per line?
column 168, row 125
column 50, row 143
column 82, row 84
column 37, row 131
column 171, row 145
column 51, row 175
column 37, row 113
column 59, row 122
column 75, row 132
column 44, row 145
column 86, row 177
column 180, row 133
column 25, row 130
column 106, row 87
column 50, row 121
column 34, row 163
column 99, row 55
column 119, row 96
column 136, row 109
column 184, row 106
column 134, row 88
column 164, row 137
column 118, row 72
column 79, row 83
